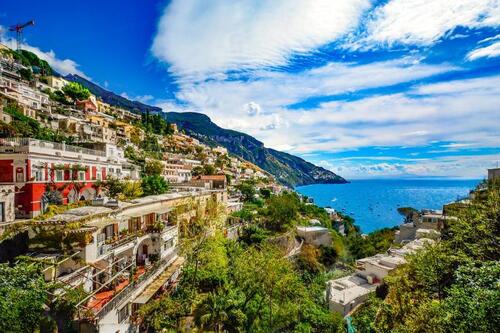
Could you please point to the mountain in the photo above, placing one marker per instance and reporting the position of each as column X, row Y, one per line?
column 112, row 98
column 288, row 169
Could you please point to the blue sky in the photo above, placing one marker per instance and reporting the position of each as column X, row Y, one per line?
column 394, row 88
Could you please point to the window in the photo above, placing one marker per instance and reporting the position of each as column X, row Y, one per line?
column 109, row 231
column 123, row 314
column 59, row 175
column 81, row 175
column 2, row 211
column 134, row 224
column 101, row 237
column 98, row 175
column 38, row 175
column 168, row 244
column 19, row 175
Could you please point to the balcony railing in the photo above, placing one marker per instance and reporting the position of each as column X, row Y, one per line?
column 132, row 287
column 27, row 143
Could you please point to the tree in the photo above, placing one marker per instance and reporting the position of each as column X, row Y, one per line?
column 451, row 286
column 208, row 169
column 162, row 314
column 76, row 91
column 213, row 312
column 211, row 267
column 26, row 74
column 59, row 97
column 328, row 256
column 153, row 185
column 197, row 171
column 153, row 167
column 24, row 293
column 253, row 235
column 308, row 261
column 131, row 189
column 407, row 212
column 265, row 192
column 113, row 187
column 247, row 191
column 282, row 211
column 364, row 317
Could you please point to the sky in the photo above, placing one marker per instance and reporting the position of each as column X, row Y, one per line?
column 365, row 88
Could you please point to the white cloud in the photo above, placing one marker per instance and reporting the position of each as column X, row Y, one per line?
column 489, row 51
column 461, row 111
column 226, row 56
column 464, row 166
column 197, row 37
column 227, row 102
column 142, row 99
column 424, row 22
column 252, row 109
column 62, row 66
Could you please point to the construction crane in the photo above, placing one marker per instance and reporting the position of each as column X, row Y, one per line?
column 18, row 28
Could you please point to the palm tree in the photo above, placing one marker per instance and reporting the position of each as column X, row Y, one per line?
column 213, row 312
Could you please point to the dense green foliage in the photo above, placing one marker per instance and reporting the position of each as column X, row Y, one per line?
column 453, row 285
column 29, row 59
column 156, row 124
column 205, row 169
column 247, row 190
column 24, row 293
column 76, row 91
column 153, row 185
column 153, row 167
column 282, row 212
column 378, row 241
column 58, row 96
column 26, row 127
column 232, row 287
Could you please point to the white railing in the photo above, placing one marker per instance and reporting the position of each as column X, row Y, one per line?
column 28, row 142
column 145, row 278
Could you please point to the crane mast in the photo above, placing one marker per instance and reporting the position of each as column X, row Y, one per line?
column 18, row 29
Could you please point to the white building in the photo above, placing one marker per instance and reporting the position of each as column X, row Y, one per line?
column 346, row 293
column 127, row 253
column 315, row 235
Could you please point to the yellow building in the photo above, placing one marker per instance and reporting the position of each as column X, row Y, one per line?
column 56, row 83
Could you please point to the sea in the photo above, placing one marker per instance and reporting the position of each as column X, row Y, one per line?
column 373, row 203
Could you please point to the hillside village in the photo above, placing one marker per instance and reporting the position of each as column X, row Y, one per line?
column 109, row 183
column 134, row 226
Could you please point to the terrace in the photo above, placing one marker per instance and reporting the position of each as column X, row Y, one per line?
column 129, row 282
column 28, row 145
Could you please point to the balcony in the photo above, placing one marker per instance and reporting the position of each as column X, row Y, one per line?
column 28, row 145
column 103, row 302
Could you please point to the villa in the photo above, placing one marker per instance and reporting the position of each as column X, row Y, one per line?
column 120, row 253
column 69, row 172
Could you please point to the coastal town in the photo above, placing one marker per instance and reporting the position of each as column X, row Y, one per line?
column 121, row 212
column 61, row 196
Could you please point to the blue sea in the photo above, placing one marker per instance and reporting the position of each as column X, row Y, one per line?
column 373, row 203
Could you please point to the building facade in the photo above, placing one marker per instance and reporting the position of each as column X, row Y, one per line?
column 48, row 172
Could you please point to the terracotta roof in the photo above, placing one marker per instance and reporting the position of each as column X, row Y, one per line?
column 213, row 177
